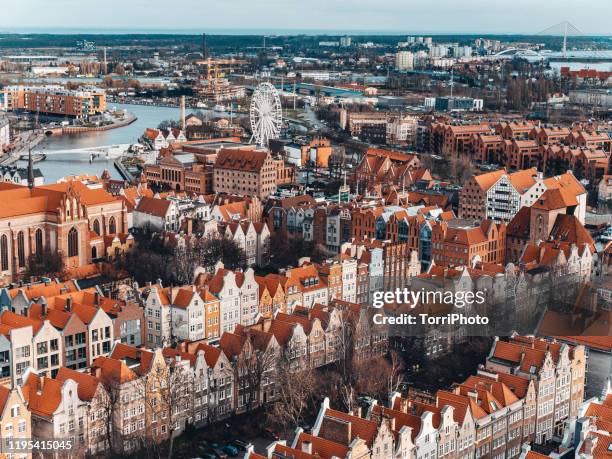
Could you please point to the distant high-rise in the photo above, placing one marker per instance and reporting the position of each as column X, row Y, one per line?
column 345, row 42
column 404, row 60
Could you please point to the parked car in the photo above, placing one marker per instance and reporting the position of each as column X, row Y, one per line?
column 241, row 445
column 231, row 450
column 220, row 454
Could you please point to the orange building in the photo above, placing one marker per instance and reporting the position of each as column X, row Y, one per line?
column 250, row 172
column 460, row 243
column 66, row 217
column 55, row 100
column 212, row 314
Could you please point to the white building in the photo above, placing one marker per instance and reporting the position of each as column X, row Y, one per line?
column 157, row 214
column 404, row 60
column 5, row 137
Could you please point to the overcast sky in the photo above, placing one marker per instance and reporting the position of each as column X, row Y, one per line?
column 402, row 16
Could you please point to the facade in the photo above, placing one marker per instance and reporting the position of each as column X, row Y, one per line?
column 500, row 195
column 63, row 217
column 181, row 172
column 54, row 100
column 154, row 214
column 460, row 243
column 245, row 172
column 558, row 372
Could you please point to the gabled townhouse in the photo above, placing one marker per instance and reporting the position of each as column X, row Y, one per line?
column 15, row 418
column 314, row 332
column 311, row 286
column 330, row 272
column 121, row 377
column 224, row 286
column 293, row 342
column 271, row 296
column 216, row 382
column 157, row 314
column 187, row 312
column 558, row 371
column 334, row 327
column 253, row 353
column 128, row 320
column 349, row 278
column 39, row 341
column 249, row 296
column 73, row 330
column 290, row 286
column 70, row 406
column 154, row 214
column 350, row 430
column 253, row 239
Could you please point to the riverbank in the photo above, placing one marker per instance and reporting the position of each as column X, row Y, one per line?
column 130, row 118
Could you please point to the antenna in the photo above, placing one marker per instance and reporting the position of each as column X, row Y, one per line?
column 30, row 170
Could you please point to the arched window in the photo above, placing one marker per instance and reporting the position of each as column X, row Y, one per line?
column 73, row 243
column 112, row 226
column 4, row 252
column 94, row 253
column 39, row 243
column 96, row 227
column 21, row 249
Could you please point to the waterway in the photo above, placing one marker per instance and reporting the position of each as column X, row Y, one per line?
column 61, row 165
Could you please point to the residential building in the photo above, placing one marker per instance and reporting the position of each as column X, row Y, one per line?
column 154, row 214
column 54, row 100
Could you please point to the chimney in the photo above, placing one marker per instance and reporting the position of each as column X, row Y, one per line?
column 307, row 447
column 43, row 309
column 97, row 298
column 403, row 405
column 68, row 305
column 183, row 113
column 391, row 422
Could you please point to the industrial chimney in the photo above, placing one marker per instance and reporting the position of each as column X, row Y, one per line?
column 183, row 113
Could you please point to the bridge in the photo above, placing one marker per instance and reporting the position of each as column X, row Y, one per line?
column 520, row 52
column 563, row 29
column 109, row 151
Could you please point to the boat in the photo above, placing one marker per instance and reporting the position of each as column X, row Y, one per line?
column 607, row 234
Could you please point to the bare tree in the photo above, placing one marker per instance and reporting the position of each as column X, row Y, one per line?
column 167, row 390
column 109, row 405
column 254, row 367
column 294, row 395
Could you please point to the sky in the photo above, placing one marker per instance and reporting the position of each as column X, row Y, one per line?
column 592, row 17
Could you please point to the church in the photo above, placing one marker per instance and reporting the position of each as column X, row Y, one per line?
column 66, row 217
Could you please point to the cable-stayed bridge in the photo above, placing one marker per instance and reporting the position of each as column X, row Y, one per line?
column 563, row 29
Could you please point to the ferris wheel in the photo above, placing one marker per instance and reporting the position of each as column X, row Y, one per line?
column 265, row 114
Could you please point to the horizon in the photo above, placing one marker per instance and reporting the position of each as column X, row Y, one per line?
column 271, row 33
column 286, row 17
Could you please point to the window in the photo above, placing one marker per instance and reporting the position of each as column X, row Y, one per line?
column 96, row 227
column 21, row 249
column 73, row 242
column 4, row 253
column 112, row 225
column 39, row 243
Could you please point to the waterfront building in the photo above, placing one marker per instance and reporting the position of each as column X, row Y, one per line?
column 54, row 100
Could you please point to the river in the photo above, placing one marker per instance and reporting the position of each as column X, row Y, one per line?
column 57, row 166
